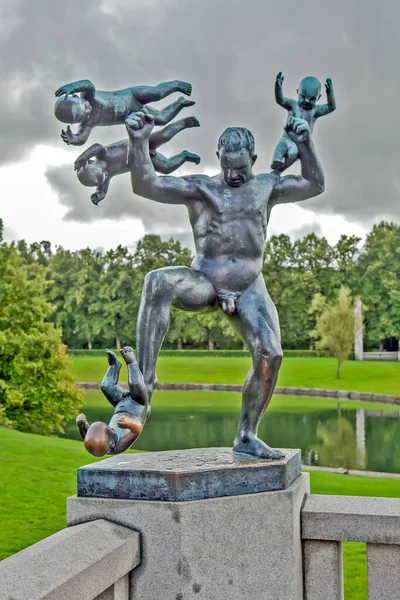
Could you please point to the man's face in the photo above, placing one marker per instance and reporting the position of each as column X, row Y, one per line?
column 236, row 166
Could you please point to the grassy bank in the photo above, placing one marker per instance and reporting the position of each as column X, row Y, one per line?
column 39, row 473
column 374, row 377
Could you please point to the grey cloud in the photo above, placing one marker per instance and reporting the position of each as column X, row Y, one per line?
column 231, row 53
column 304, row 230
column 9, row 235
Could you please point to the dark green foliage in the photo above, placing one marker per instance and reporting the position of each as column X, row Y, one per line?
column 37, row 393
column 97, row 295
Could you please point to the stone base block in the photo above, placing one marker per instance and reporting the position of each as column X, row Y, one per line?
column 227, row 548
column 182, row 475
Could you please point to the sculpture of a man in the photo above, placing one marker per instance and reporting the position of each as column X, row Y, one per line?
column 229, row 215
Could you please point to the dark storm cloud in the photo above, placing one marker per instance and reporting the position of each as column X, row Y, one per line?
column 231, row 52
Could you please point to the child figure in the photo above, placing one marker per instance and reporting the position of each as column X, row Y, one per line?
column 305, row 107
column 131, row 409
column 116, row 159
column 94, row 108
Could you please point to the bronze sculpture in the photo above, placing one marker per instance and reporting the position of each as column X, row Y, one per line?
column 94, row 107
column 116, row 158
column 229, row 214
column 305, row 107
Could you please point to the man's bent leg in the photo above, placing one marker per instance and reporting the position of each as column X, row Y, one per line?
column 182, row 287
column 256, row 320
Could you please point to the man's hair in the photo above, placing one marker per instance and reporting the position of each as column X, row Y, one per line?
column 236, row 138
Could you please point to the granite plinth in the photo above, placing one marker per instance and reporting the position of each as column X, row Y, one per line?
column 183, row 475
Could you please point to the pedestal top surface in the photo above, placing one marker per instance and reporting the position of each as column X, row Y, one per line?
column 186, row 475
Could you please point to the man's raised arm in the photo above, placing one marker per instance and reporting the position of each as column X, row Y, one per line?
column 311, row 182
column 145, row 181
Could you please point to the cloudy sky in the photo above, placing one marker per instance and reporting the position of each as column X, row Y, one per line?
column 230, row 51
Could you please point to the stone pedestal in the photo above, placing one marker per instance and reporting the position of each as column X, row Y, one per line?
column 230, row 545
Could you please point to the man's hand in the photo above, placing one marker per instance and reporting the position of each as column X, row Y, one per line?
column 298, row 130
column 140, row 124
column 79, row 163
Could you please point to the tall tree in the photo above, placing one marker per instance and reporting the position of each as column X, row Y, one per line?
column 335, row 325
column 379, row 269
column 37, row 393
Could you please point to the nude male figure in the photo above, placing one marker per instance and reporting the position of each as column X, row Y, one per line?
column 229, row 215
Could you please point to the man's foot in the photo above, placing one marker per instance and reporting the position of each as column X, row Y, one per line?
column 191, row 122
column 185, row 88
column 248, row 443
column 278, row 165
column 131, row 423
column 190, row 157
column 128, row 354
column 112, row 359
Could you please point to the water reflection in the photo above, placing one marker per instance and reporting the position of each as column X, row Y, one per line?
column 355, row 439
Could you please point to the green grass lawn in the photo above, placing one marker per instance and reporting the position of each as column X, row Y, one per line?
column 39, row 473
column 374, row 377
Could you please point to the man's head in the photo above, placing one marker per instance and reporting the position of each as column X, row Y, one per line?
column 309, row 92
column 72, row 109
column 93, row 173
column 236, row 155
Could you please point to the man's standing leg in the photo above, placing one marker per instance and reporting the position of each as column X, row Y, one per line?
column 178, row 286
column 256, row 321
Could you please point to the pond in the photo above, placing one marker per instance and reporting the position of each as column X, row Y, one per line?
column 329, row 433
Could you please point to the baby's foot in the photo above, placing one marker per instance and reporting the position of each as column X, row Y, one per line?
column 190, row 157
column 277, row 165
column 128, row 354
column 191, row 122
column 134, row 425
column 112, row 359
column 185, row 103
column 185, row 88
column 83, row 425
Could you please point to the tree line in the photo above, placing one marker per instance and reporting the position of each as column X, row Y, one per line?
column 96, row 294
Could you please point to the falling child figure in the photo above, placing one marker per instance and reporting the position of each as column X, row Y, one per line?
column 131, row 409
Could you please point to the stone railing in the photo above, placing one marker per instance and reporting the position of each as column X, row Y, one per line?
column 327, row 521
column 91, row 561
column 392, row 356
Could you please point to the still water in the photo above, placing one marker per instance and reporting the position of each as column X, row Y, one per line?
column 331, row 437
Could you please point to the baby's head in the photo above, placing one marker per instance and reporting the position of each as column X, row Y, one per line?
column 309, row 92
column 72, row 109
column 93, row 173
column 100, row 439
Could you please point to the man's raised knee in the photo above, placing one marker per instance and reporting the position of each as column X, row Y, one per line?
column 155, row 283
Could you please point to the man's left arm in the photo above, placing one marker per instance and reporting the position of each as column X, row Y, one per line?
column 311, row 182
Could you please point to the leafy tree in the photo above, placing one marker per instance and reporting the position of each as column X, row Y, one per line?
column 379, row 270
column 37, row 393
column 335, row 325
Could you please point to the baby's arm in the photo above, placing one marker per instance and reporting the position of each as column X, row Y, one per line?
column 279, row 97
column 94, row 151
column 84, row 86
column 101, row 192
column 76, row 139
column 325, row 109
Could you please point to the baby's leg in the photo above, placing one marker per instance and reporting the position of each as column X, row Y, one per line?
column 166, row 134
column 109, row 385
column 164, row 116
column 278, row 160
column 165, row 165
column 291, row 156
column 147, row 93
column 137, row 388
